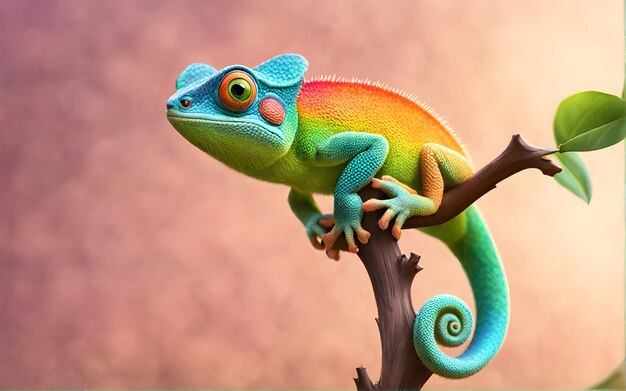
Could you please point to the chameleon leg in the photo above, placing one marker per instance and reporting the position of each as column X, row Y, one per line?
column 440, row 168
column 365, row 154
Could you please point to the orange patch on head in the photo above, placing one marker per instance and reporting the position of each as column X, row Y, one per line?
column 272, row 111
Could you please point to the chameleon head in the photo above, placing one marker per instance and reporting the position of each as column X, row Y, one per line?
column 246, row 118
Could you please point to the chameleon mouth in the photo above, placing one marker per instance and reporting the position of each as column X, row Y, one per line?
column 171, row 114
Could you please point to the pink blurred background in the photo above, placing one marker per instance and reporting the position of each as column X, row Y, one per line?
column 130, row 259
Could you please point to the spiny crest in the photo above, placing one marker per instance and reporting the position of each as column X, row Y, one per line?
column 388, row 88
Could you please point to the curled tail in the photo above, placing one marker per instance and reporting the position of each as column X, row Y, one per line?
column 447, row 320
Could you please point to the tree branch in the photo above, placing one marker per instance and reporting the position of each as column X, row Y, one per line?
column 392, row 273
column 517, row 156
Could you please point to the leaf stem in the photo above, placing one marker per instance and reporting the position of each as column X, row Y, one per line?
column 549, row 151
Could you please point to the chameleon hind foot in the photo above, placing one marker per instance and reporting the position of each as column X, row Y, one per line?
column 403, row 203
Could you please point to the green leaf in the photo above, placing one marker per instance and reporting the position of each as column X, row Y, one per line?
column 586, row 121
column 574, row 176
column 598, row 138
column 590, row 120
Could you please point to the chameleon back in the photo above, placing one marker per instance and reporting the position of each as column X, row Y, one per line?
column 328, row 106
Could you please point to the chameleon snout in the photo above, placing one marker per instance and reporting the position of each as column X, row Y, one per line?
column 183, row 103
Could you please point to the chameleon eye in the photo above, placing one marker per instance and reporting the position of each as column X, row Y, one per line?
column 237, row 91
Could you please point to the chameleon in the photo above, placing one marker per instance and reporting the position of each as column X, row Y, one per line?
column 330, row 135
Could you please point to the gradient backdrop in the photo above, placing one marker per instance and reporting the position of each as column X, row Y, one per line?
column 130, row 259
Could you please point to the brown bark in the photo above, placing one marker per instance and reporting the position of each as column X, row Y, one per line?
column 392, row 273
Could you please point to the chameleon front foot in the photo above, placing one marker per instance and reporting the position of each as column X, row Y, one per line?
column 404, row 203
column 316, row 227
column 331, row 237
column 348, row 216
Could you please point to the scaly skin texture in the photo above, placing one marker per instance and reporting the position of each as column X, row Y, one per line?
column 330, row 136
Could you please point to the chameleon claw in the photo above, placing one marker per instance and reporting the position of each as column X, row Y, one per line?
column 330, row 238
column 373, row 204
column 315, row 242
column 391, row 179
column 391, row 186
column 396, row 231
column 377, row 183
column 333, row 254
column 352, row 247
column 363, row 235
column 401, row 218
column 384, row 221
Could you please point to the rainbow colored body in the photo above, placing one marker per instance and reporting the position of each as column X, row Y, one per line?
column 333, row 137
